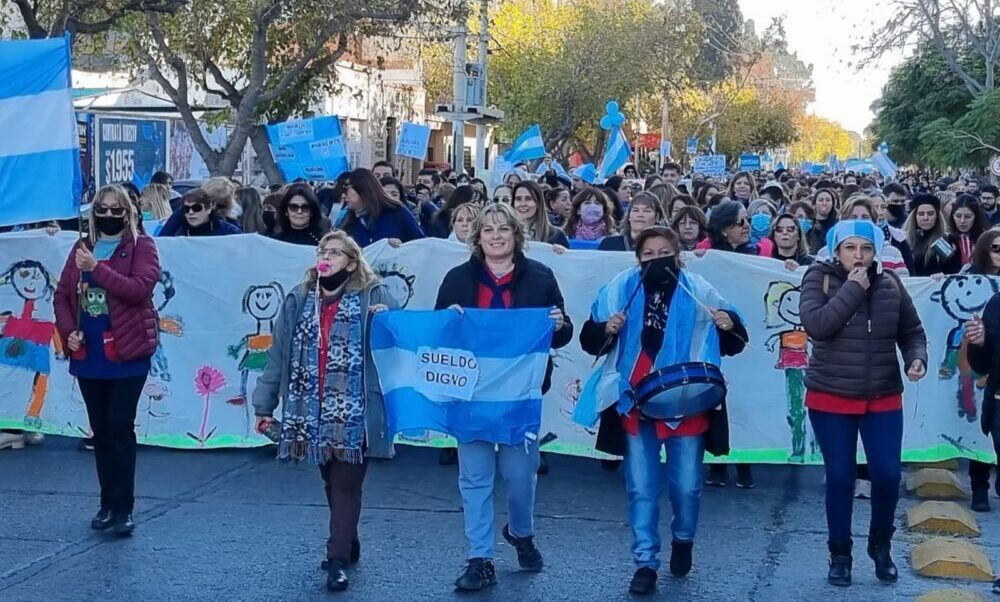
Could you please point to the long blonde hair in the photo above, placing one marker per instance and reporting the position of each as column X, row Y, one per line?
column 119, row 194
column 363, row 275
column 157, row 196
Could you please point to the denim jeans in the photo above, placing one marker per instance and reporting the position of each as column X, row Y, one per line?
column 643, row 484
column 882, row 436
column 477, row 463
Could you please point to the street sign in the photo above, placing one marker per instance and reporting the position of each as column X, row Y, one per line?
column 710, row 165
column 995, row 165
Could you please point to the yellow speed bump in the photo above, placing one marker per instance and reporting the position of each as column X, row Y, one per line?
column 946, row 518
column 951, row 595
column 935, row 483
column 943, row 465
column 951, row 559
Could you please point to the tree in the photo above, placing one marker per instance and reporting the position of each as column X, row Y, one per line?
column 52, row 18
column 956, row 30
column 818, row 138
column 969, row 140
column 723, row 45
column 265, row 60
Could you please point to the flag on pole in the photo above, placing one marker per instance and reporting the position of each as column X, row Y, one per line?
column 39, row 145
column 616, row 154
column 555, row 166
column 528, row 146
column 466, row 374
column 586, row 172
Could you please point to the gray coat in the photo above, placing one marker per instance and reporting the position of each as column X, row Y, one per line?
column 272, row 386
column 855, row 333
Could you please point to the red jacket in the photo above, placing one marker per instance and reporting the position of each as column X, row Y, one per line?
column 128, row 276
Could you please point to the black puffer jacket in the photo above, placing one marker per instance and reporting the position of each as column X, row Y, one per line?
column 986, row 360
column 855, row 332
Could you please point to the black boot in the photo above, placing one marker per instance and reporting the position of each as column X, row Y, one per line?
column 528, row 556
column 981, row 500
column 718, row 475
column 880, row 550
column 840, row 564
column 355, row 556
column 643, row 582
column 479, row 573
column 680, row 558
column 102, row 521
column 123, row 524
column 336, row 576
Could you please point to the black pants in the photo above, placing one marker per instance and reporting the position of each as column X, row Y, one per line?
column 979, row 472
column 342, row 483
column 111, row 408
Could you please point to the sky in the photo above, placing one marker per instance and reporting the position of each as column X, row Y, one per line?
column 821, row 32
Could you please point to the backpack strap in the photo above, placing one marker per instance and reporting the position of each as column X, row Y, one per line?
column 826, row 285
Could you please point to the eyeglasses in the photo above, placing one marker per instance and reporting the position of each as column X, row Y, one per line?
column 194, row 208
column 995, row 248
column 102, row 209
column 330, row 253
column 298, row 208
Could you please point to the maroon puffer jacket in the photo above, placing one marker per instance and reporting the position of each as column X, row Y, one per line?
column 128, row 276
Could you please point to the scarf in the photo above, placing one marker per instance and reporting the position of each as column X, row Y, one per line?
column 497, row 286
column 589, row 232
column 320, row 425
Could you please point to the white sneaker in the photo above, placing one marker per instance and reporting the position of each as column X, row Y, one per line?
column 33, row 438
column 862, row 489
column 11, row 441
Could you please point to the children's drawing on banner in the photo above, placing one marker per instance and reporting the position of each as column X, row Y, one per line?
column 163, row 292
column 961, row 296
column 25, row 339
column 571, row 392
column 398, row 281
column 154, row 393
column 207, row 382
column 263, row 303
column 781, row 306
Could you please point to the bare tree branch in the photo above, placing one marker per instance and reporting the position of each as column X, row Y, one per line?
column 29, row 16
column 980, row 143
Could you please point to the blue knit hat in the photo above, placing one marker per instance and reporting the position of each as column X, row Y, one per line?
column 861, row 228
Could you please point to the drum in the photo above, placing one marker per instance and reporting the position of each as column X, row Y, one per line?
column 679, row 391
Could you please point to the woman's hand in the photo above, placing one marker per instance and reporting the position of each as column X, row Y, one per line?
column 699, row 253
column 395, row 243
column 791, row 265
column 263, row 423
column 975, row 332
column 458, row 308
column 378, row 308
column 559, row 249
column 85, row 261
column 53, row 229
column 916, row 371
column 556, row 314
column 722, row 320
column 937, row 277
column 75, row 341
column 614, row 324
column 860, row 275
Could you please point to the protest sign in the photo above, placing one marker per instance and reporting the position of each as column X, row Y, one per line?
column 130, row 150
column 710, row 165
column 749, row 162
column 312, row 149
column 413, row 140
column 692, row 145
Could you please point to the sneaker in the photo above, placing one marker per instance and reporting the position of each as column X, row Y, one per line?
column 643, row 582
column 981, row 500
column 11, row 441
column 102, row 521
column 123, row 524
column 862, row 489
column 355, row 556
column 336, row 576
column 479, row 573
column 528, row 556
column 680, row 558
column 33, row 438
column 744, row 477
column 718, row 475
column 448, row 456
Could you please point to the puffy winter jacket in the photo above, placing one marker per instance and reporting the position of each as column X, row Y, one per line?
column 985, row 359
column 855, row 332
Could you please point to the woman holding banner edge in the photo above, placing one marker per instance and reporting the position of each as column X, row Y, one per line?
column 499, row 276
column 650, row 320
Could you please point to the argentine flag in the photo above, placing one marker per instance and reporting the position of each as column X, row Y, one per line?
column 476, row 376
column 528, row 146
column 39, row 148
column 616, row 154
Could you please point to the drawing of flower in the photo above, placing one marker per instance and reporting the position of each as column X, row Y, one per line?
column 207, row 381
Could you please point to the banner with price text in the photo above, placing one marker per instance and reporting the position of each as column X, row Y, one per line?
column 129, row 150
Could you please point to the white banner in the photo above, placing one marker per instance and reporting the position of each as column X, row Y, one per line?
column 219, row 296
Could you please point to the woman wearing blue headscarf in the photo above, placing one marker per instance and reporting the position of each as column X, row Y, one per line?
column 856, row 315
column 649, row 320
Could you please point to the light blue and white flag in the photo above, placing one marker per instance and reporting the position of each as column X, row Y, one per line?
column 586, row 172
column 469, row 375
column 885, row 166
column 616, row 154
column 555, row 166
column 528, row 146
column 39, row 145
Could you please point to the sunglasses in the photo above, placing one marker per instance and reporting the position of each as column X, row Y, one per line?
column 785, row 230
column 298, row 208
column 194, row 208
column 742, row 223
column 995, row 248
column 103, row 209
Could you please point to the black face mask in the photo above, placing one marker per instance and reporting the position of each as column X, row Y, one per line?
column 269, row 219
column 897, row 211
column 658, row 271
column 108, row 225
column 334, row 281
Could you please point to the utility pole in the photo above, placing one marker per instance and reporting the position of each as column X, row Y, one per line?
column 665, row 130
column 484, row 49
column 460, row 85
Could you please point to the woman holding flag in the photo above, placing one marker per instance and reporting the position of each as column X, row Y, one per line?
column 652, row 320
column 498, row 276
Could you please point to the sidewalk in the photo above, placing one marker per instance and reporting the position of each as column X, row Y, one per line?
column 237, row 526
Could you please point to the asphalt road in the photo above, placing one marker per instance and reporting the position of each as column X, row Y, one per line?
column 238, row 526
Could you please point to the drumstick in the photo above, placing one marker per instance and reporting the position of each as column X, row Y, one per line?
column 635, row 291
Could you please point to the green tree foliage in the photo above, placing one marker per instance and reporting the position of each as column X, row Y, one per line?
column 723, row 43
column 53, row 18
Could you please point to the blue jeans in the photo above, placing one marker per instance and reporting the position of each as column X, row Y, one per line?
column 477, row 463
column 643, row 484
column 882, row 436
